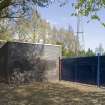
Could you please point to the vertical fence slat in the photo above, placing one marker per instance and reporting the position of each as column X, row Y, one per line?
column 98, row 71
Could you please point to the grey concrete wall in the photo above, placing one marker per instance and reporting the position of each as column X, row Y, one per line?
column 33, row 62
column 52, row 54
column 3, row 61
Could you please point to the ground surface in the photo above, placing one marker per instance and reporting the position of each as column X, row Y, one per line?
column 62, row 93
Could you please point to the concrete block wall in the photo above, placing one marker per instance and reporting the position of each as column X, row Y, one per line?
column 31, row 62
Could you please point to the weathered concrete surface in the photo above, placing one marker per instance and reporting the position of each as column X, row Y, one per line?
column 27, row 62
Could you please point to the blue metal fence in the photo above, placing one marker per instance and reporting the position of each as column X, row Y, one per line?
column 88, row 70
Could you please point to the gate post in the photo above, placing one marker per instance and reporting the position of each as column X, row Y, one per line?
column 60, row 65
column 98, row 70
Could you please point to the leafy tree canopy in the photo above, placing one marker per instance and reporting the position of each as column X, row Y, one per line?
column 15, row 8
column 90, row 8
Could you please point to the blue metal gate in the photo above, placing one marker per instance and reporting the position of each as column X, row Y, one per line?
column 88, row 70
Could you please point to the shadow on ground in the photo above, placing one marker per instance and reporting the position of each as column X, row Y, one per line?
column 48, row 94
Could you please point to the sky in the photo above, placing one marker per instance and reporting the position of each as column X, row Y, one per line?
column 94, row 32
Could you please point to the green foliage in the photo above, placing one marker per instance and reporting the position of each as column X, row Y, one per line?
column 5, row 31
column 15, row 9
column 103, row 24
column 37, row 29
column 6, row 37
column 95, row 17
column 65, row 52
column 90, row 8
column 81, row 53
column 90, row 53
column 26, row 29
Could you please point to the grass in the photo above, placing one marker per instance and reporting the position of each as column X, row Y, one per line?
column 62, row 93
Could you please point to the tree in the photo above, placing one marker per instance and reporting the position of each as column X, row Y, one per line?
column 66, row 37
column 82, row 53
column 16, row 8
column 90, row 8
column 34, row 29
column 90, row 52
column 27, row 29
column 5, row 30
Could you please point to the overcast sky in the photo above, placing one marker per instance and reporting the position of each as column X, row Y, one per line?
column 94, row 33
